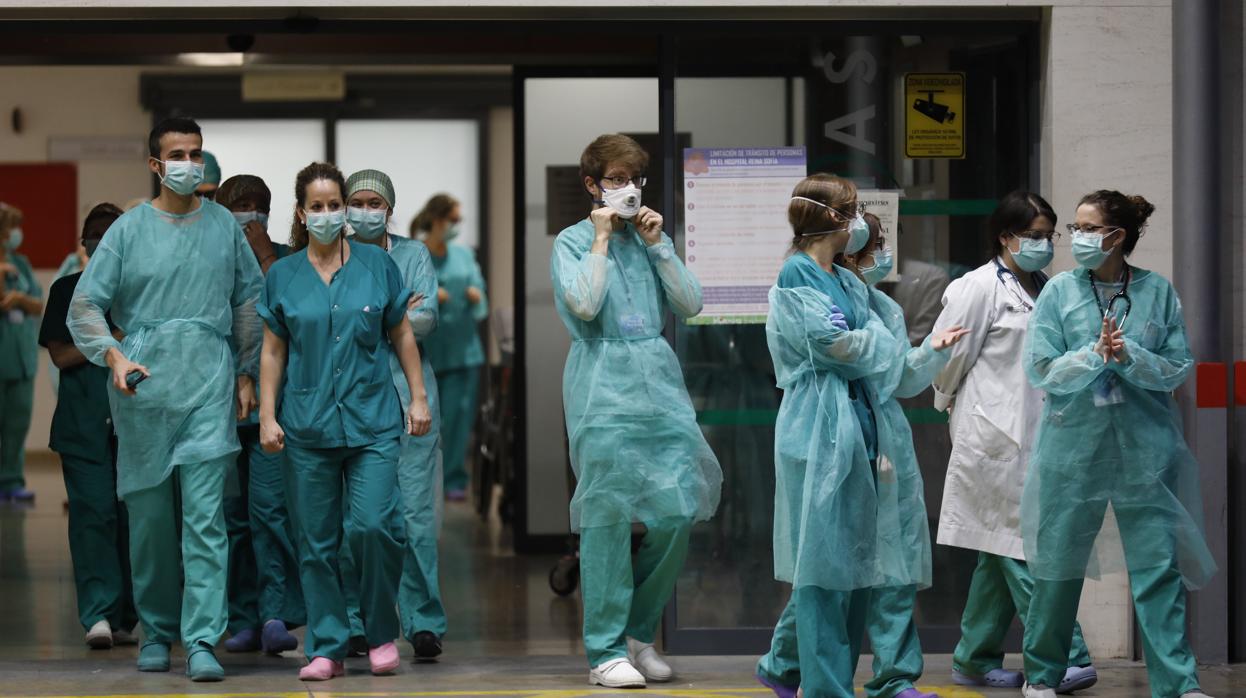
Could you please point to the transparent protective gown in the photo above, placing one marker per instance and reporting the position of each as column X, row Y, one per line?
column 419, row 467
column 179, row 287
column 1111, row 434
column 836, row 525
column 636, row 449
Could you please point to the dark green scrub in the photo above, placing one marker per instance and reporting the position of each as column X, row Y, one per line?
column 342, row 420
column 82, row 434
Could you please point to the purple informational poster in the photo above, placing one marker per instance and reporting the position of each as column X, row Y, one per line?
column 736, row 232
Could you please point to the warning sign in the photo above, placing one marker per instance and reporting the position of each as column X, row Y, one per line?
column 934, row 122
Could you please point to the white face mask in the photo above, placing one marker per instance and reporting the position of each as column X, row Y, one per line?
column 625, row 201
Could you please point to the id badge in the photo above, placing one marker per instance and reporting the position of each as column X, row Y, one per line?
column 16, row 316
column 1107, row 390
column 632, row 325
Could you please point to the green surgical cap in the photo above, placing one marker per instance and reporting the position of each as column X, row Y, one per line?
column 371, row 180
column 211, row 169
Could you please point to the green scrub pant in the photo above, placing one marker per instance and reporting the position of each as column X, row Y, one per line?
column 624, row 597
column 99, row 544
column 159, row 593
column 1000, row 590
column 893, row 635
column 1159, row 600
column 263, row 563
column 458, row 388
column 419, row 591
column 817, row 642
column 374, row 535
column 17, row 401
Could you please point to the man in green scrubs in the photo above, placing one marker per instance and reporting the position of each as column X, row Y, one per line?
column 20, row 304
column 181, row 283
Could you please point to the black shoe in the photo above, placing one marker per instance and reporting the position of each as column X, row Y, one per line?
column 358, row 647
column 427, row 645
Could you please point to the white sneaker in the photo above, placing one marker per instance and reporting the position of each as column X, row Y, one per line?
column 1195, row 694
column 99, row 637
column 1039, row 691
column 651, row 664
column 616, row 673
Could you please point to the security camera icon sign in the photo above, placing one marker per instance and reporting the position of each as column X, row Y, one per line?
column 939, row 112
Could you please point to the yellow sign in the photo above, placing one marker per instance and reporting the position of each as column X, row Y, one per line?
column 294, row 86
column 934, row 122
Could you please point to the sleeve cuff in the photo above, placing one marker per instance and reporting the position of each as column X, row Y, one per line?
column 397, row 309
column 271, row 321
column 660, row 252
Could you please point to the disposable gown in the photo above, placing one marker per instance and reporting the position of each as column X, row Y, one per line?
column 1111, row 433
column 636, row 449
column 836, row 526
column 178, row 286
column 899, row 474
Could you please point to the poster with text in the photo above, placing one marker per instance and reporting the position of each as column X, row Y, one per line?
column 736, row 231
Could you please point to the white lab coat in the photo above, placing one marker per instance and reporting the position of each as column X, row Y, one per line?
column 994, row 412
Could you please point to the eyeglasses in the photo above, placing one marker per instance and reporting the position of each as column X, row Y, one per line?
column 621, row 181
column 1033, row 234
column 1073, row 229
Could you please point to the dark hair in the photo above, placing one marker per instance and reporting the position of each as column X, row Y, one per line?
column 1121, row 211
column 245, row 187
column 101, row 211
column 806, row 217
column 440, row 206
column 608, row 148
column 1013, row 214
column 176, row 124
column 312, row 173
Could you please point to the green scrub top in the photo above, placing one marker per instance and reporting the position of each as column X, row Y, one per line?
column 82, row 423
column 800, row 271
column 339, row 391
column 19, row 353
column 416, row 265
column 456, row 343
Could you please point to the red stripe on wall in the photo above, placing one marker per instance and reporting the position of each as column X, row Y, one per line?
column 1213, row 385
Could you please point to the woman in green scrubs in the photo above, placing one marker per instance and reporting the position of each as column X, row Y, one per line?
column 455, row 349
column 20, row 304
column 329, row 309
column 99, row 542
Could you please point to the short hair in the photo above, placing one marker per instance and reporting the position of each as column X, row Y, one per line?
column 612, row 147
column 242, row 187
column 1013, row 214
column 99, row 212
column 176, row 124
column 1121, row 211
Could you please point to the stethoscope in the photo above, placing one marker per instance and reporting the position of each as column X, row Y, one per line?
column 1121, row 295
column 1001, row 271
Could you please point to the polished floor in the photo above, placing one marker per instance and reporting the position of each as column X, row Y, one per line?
column 509, row 636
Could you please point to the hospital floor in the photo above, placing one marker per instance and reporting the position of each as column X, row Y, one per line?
column 510, row 636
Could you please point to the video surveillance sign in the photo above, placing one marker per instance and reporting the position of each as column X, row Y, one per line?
column 934, row 120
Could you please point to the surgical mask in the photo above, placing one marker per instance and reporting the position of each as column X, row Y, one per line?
column 91, row 246
column 1034, row 254
column 1088, row 250
column 625, row 201
column 246, row 217
column 182, row 176
column 884, row 261
column 15, row 239
column 326, row 226
column 858, row 235
column 453, row 232
column 368, row 223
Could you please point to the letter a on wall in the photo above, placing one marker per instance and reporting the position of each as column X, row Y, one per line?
column 934, row 119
